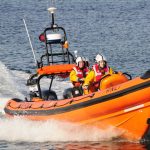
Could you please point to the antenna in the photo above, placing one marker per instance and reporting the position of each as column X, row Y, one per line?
column 30, row 41
column 52, row 11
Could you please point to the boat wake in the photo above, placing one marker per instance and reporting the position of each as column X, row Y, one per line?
column 13, row 85
column 19, row 129
column 9, row 83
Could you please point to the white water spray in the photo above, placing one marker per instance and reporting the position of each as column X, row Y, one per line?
column 52, row 130
column 12, row 85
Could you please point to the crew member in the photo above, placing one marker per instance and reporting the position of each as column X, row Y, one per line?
column 79, row 72
column 99, row 70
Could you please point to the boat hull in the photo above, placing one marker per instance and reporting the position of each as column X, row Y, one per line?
column 125, row 106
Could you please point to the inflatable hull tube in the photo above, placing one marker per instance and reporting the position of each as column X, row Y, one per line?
column 125, row 106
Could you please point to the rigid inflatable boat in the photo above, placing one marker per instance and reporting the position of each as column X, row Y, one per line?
column 121, row 102
column 125, row 106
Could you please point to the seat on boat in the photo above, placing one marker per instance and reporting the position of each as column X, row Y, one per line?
column 146, row 75
column 49, row 95
column 72, row 92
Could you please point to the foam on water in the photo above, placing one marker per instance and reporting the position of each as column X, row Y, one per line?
column 7, row 83
column 12, row 84
column 18, row 129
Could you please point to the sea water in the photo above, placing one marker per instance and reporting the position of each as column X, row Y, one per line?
column 119, row 29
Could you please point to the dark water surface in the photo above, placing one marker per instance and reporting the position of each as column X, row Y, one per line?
column 117, row 28
column 71, row 146
column 120, row 29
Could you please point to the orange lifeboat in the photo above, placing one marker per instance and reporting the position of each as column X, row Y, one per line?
column 124, row 105
column 121, row 103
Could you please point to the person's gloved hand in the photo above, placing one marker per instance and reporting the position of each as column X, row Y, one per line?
column 85, row 87
column 81, row 79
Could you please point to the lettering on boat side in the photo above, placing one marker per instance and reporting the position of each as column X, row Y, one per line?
column 112, row 89
column 133, row 108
